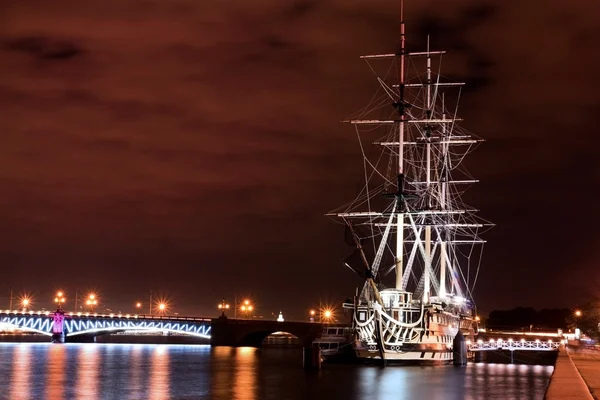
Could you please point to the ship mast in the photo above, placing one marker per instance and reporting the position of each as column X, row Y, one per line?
column 443, row 178
column 436, row 220
column 400, row 218
column 428, row 115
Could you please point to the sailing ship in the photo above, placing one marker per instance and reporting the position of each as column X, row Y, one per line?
column 409, row 223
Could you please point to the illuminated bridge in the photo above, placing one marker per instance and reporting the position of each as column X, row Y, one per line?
column 67, row 326
column 525, row 347
column 90, row 324
column 499, row 344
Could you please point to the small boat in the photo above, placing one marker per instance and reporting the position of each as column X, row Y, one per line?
column 335, row 343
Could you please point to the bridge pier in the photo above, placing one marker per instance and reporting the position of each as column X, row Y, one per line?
column 58, row 327
column 459, row 346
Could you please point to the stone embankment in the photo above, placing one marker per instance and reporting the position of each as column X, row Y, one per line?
column 576, row 376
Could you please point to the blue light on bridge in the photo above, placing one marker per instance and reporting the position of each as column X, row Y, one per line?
column 105, row 324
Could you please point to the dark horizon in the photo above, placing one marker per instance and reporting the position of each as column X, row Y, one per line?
column 193, row 149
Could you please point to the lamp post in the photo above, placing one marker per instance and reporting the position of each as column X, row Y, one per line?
column 138, row 306
column 577, row 315
column 162, row 308
column 25, row 302
column 247, row 308
column 91, row 302
column 59, row 299
column 327, row 315
column 312, row 315
column 223, row 306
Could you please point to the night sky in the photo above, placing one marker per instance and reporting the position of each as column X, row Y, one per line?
column 192, row 148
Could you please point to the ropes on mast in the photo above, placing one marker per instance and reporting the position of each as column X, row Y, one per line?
column 448, row 145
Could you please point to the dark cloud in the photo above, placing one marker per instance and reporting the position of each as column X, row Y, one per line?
column 45, row 48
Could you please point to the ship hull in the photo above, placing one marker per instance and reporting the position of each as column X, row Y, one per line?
column 424, row 356
column 417, row 352
column 408, row 333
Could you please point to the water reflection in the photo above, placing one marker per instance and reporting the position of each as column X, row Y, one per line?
column 244, row 381
column 159, row 376
column 476, row 381
column 55, row 371
column 21, row 374
column 112, row 371
column 508, row 380
column 135, row 369
column 221, row 371
column 88, row 365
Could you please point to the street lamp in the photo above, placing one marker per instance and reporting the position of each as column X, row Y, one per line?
column 312, row 315
column 91, row 302
column 223, row 306
column 162, row 307
column 25, row 302
column 138, row 306
column 59, row 299
column 577, row 315
column 328, row 315
column 247, row 308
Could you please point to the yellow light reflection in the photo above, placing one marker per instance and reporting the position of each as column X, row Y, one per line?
column 88, row 365
column 221, row 375
column 244, row 380
column 55, row 372
column 21, row 372
column 159, row 374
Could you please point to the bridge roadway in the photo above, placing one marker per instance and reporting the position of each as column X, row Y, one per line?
column 221, row 331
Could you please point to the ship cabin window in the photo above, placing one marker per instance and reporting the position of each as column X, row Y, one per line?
column 362, row 316
column 331, row 331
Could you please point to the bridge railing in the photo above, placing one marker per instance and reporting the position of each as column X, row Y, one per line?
column 111, row 315
column 537, row 345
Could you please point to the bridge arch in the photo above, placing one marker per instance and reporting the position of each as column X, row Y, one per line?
column 111, row 330
column 78, row 325
column 103, row 326
column 240, row 332
column 38, row 324
column 257, row 338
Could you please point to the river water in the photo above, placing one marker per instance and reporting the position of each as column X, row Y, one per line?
column 120, row 371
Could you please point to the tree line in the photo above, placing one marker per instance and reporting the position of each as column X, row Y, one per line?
column 585, row 316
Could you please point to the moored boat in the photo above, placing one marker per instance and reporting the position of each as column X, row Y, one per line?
column 336, row 343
